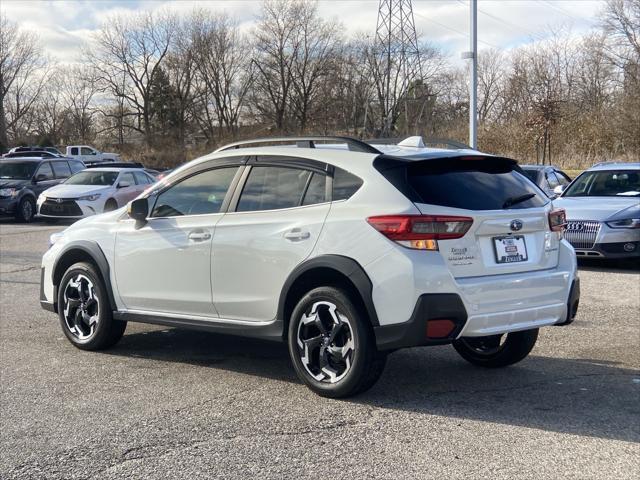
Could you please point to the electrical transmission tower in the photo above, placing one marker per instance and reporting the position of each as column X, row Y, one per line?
column 399, row 69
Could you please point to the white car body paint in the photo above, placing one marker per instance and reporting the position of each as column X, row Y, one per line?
column 155, row 269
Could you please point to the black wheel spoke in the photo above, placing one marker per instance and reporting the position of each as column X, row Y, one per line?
column 313, row 343
column 335, row 331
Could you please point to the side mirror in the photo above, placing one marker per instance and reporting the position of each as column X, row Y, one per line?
column 558, row 190
column 138, row 209
column 124, row 184
column 40, row 177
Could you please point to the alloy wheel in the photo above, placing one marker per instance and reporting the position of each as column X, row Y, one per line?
column 81, row 307
column 326, row 343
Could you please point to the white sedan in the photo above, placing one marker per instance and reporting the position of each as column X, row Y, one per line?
column 93, row 191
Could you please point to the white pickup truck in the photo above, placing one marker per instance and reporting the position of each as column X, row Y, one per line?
column 90, row 155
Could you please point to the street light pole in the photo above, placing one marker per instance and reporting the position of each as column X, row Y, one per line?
column 473, row 83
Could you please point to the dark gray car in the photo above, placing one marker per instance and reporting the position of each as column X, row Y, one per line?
column 548, row 178
column 23, row 179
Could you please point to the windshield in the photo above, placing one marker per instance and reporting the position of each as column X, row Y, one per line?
column 609, row 183
column 92, row 178
column 17, row 170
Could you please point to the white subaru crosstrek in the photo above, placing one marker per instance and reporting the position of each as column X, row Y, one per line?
column 346, row 254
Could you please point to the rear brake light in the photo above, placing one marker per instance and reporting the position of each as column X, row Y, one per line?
column 420, row 231
column 557, row 220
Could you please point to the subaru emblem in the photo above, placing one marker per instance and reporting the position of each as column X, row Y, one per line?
column 515, row 225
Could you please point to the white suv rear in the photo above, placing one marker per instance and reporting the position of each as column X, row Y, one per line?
column 346, row 254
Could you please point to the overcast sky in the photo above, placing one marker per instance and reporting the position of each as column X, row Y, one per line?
column 64, row 25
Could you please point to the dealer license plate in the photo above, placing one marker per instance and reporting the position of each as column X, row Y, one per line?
column 510, row 249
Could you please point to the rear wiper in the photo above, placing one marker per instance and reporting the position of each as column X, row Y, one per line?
column 511, row 201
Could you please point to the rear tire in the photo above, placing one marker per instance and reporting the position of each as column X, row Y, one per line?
column 494, row 351
column 84, row 310
column 332, row 345
column 26, row 210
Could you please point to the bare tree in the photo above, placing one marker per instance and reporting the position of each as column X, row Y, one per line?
column 222, row 57
column 491, row 75
column 127, row 53
column 79, row 90
column 22, row 76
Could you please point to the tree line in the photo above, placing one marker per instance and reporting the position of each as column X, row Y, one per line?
column 166, row 87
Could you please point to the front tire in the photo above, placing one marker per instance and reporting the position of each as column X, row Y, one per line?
column 110, row 205
column 26, row 210
column 84, row 310
column 332, row 346
column 497, row 351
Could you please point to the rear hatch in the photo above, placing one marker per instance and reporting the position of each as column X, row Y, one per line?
column 510, row 232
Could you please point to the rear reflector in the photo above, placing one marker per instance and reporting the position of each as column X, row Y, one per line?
column 440, row 328
column 557, row 220
column 420, row 231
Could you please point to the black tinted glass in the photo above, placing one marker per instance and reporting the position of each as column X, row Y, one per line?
column 61, row 169
column 316, row 192
column 345, row 184
column 44, row 172
column 17, row 170
column 531, row 175
column 200, row 194
column 473, row 185
column 271, row 188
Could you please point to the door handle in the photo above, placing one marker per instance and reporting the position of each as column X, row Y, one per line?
column 199, row 235
column 296, row 234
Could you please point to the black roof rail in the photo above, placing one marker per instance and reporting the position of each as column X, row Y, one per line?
column 353, row 144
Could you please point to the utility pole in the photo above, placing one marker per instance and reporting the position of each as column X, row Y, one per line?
column 473, row 74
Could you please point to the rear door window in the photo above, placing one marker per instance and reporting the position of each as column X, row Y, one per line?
column 273, row 188
column 475, row 184
column 317, row 190
column 76, row 166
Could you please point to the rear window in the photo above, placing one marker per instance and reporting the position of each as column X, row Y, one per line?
column 477, row 184
column 531, row 175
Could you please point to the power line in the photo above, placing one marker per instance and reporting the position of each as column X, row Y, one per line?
column 452, row 29
column 513, row 26
column 560, row 9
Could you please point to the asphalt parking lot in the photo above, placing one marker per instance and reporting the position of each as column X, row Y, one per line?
column 180, row 404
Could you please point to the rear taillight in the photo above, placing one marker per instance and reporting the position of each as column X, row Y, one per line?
column 557, row 220
column 421, row 232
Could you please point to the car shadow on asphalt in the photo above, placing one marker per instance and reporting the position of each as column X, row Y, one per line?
column 575, row 396
column 611, row 266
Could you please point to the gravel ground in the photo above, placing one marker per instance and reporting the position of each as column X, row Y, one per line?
column 179, row 404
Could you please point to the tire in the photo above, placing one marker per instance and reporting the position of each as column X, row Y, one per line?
column 26, row 210
column 84, row 311
column 110, row 205
column 495, row 351
column 332, row 345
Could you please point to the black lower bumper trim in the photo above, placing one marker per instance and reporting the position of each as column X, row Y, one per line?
column 49, row 306
column 413, row 333
column 572, row 303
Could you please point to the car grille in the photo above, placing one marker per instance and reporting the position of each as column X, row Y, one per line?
column 582, row 234
column 60, row 207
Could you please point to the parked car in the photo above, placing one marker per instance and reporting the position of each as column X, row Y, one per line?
column 53, row 150
column 603, row 211
column 33, row 153
column 345, row 254
column 90, row 155
column 92, row 191
column 23, row 179
column 550, row 179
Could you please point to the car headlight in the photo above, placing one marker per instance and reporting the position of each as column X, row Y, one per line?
column 9, row 192
column 625, row 223
column 90, row 198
